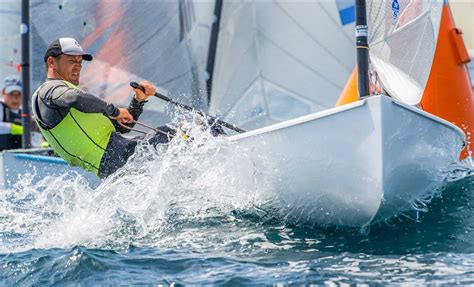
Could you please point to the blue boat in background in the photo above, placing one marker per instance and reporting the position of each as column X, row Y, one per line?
column 39, row 164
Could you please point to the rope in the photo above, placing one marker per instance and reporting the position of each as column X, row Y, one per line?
column 143, row 125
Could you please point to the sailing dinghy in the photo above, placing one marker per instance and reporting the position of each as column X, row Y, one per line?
column 374, row 158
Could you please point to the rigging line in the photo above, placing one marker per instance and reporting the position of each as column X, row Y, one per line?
column 321, row 75
column 156, row 130
column 33, row 5
column 313, row 39
column 131, row 129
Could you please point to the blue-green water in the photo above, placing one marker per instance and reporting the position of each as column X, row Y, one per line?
column 59, row 232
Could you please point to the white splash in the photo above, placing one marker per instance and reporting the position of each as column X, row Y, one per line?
column 197, row 182
column 195, row 178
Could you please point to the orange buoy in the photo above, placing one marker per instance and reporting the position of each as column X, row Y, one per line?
column 448, row 93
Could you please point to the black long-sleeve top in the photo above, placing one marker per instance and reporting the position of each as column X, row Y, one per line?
column 55, row 98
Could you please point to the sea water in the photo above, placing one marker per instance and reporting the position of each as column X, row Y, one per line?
column 181, row 215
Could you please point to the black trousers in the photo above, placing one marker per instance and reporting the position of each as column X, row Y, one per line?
column 119, row 149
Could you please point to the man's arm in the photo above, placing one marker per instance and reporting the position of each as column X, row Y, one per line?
column 66, row 97
column 136, row 109
column 5, row 128
column 8, row 128
column 136, row 105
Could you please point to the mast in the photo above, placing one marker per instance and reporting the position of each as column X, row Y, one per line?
column 211, row 56
column 25, row 73
column 362, row 48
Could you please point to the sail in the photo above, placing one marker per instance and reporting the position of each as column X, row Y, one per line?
column 402, row 39
column 281, row 59
column 470, row 66
column 10, row 49
column 164, row 42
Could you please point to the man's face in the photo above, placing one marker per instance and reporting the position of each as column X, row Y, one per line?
column 69, row 68
column 12, row 100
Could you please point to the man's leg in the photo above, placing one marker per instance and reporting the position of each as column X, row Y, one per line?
column 118, row 150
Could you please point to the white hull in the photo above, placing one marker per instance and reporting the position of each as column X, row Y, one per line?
column 16, row 164
column 351, row 164
column 343, row 166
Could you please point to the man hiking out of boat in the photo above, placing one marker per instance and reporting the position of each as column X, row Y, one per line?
column 83, row 129
column 10, row 114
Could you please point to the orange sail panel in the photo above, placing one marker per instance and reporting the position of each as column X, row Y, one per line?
column 448, row 93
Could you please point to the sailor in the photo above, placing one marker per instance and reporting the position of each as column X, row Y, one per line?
column 10, row 120
column 83, row 129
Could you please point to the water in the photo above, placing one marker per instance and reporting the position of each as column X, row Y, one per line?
column 177, row 217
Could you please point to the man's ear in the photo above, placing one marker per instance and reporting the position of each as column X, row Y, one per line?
column 51, row 62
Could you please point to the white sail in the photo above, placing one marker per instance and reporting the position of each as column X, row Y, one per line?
column 277, row 60
column 164, row 42
column 10, row 49
column 402, row 40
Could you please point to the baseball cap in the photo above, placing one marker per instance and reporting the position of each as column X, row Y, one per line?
column 68, row 46
column 12, row 83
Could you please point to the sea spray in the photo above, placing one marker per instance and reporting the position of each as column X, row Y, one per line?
column 162, row 197
column 193, row 178
column 212, row 241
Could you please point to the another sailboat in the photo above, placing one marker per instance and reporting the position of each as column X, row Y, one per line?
column 278, row 60
column 376, row 157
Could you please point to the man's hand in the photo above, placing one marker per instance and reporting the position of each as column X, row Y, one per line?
column 150, row 90
column 124, row 116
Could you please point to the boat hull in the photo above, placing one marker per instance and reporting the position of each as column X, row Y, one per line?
column 16, row 164
column 350, row 165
